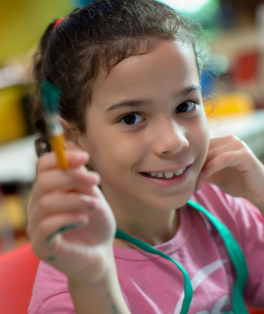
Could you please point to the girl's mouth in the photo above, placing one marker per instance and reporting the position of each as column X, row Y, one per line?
column 163, row 175
column 167, row 179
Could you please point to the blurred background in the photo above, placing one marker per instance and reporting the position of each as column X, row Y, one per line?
column 232, row 83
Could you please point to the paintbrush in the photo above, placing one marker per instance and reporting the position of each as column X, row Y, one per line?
column 50, row 97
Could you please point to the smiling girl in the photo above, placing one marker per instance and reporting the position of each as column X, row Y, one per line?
column 128, row 74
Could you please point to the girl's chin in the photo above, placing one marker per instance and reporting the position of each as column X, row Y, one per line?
column 163, row 204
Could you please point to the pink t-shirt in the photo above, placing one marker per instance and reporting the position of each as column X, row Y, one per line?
column 154, row 285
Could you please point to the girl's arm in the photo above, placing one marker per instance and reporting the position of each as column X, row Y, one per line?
column 103, row 297
column 72, row 227
column 232, row 166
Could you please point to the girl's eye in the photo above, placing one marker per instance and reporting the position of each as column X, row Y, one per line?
column 131, row 118
column 185, row 106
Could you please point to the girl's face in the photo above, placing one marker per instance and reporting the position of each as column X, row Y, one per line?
column 147, row 119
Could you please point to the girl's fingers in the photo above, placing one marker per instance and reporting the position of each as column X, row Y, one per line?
column 77, row 180
column 229, row 154
column 54, row 226
column 62, row 229
column 221, row 152
column 215, row 142
column 57, row 203
column 49, row 161
column 225, row 146
column 215, row 165
column 220, row 162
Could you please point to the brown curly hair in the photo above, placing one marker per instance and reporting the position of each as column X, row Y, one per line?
column 97, row 36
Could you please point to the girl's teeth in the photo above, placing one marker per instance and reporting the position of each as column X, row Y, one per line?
column 167, row 175
column 179, row 172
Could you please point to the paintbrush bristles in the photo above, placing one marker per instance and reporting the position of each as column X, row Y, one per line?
column 50, row 97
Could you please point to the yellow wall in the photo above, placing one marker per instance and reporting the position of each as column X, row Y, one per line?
column 22, row 22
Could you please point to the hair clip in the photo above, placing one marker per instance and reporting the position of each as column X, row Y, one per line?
column 57, row 23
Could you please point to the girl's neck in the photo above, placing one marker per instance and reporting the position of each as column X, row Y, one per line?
column 153, row 234
column 140, row 221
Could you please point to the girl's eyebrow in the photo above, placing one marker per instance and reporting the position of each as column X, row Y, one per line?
column 187, row 90
column 128, row 103
column 138, row 103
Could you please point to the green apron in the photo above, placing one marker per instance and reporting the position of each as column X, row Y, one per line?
column 234, row 251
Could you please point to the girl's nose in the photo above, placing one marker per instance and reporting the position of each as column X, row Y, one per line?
column 170, row 138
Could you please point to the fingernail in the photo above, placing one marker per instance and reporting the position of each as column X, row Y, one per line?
column 91, row 203
column 90, row 208
column 82, row 154
column 94, row 177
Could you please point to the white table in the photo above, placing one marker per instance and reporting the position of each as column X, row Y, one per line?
column 18, row 161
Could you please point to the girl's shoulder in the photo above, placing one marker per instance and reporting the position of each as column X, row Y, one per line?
column 238, row 214
column 220, row 203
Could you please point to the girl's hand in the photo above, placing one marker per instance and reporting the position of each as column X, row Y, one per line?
column 70, row 224
column 232, row 166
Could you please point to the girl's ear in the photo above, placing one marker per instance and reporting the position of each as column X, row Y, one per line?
column 71, row 134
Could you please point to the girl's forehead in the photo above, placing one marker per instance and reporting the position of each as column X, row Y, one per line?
column 165, row 58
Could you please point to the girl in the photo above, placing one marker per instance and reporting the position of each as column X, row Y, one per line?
column 128, row 73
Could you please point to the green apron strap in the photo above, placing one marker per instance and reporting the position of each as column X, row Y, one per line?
column 188, row 291
column 234, row 251
column 236, row 256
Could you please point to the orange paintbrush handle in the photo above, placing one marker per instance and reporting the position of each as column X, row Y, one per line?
column 57, row 146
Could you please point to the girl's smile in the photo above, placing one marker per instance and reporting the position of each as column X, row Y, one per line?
column 167, row 178
column 147, row 132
